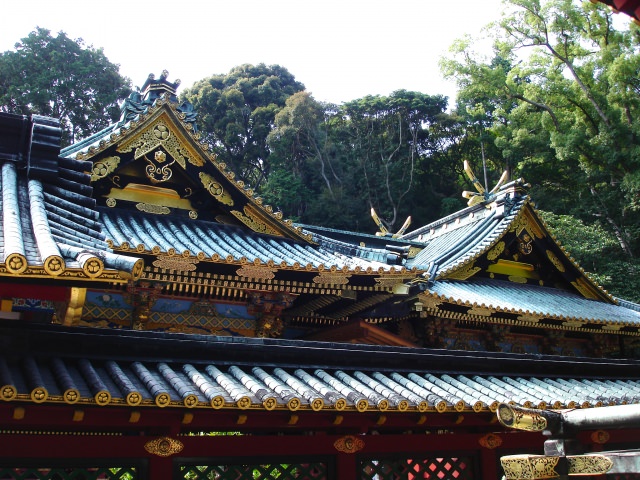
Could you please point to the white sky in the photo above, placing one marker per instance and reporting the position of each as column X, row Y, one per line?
column 340, row 49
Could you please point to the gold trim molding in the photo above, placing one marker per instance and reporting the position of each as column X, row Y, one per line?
column 76, row 304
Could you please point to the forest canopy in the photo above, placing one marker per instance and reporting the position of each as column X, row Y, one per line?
column 79, row 85
column 555, row 102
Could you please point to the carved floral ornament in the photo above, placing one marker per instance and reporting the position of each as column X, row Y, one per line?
column 164, row 446
column 349, row 444
column 215, row 189
column 490, row 441
column 540, row 467
column 160, row 134
column 104, row 167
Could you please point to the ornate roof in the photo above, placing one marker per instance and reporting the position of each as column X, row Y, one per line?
column 153, row 159
column 537, row 305
column 164, row 197
column 95, row 367
column 49, row 226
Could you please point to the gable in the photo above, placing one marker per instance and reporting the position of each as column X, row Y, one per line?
column 526, row 252
column 157, row 164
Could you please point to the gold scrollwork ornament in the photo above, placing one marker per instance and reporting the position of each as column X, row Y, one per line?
column 156, row 170
column 529, row 466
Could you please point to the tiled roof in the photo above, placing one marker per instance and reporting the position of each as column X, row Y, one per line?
column 49, row 223
column 533, row 300
column 453, row 240
column 217, row 372
column 210, row 240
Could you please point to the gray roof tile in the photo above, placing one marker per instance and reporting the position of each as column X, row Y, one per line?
column 532, row 299
column 47, row 219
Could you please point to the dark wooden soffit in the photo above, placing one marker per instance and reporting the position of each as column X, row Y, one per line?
column 358, row 331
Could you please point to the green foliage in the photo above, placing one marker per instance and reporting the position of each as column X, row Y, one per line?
column 597, row 251
column 61, row 78
column 237, row 112
column 331, row 164
column 560, row 100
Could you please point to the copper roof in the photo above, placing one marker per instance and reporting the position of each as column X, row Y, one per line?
column 222, row 373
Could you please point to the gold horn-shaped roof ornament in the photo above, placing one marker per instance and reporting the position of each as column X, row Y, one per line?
column 384, row 232
column 481, row 195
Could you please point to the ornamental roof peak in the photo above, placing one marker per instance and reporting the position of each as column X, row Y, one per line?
column 154, row 88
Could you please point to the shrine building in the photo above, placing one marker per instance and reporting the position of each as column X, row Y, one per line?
column 159, row 321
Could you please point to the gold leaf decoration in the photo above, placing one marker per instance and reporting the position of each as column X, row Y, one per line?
column 160, row 134
column 179, row 264
column 496, row 251
column 156, row 170
column 163, row 447
column 257, row 272
column 526, row 317
column 556, row 261
column 481, row 311
column 589, row 464
column 252, row 221
column 327, row 278
column 429, row 302
column 529, row 466
column 391, row 281
column 155, row 209
column 215, row 189
column 349, row 444
column 463, row 273
column 521, row 419
column 104, row 167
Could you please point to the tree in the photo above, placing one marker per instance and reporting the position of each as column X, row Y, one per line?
column 61, row 78
column 237, row 112
column 390, row 138
column 301, row 156
column 561, row 94
column 597, row 250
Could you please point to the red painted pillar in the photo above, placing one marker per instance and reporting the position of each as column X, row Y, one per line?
column 160, row 468
column 346, row 466
column 489, row 464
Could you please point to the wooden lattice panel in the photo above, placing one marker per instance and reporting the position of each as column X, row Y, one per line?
column 86, row 473
column 284, row 471
column 436, row 468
